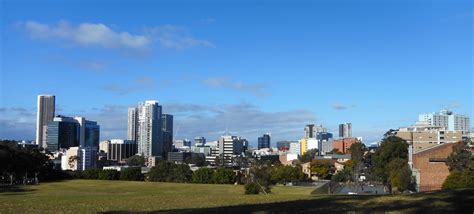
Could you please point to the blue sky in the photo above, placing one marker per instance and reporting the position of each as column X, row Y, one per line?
column 251, row 66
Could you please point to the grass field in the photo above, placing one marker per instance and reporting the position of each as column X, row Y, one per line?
column 86, row 196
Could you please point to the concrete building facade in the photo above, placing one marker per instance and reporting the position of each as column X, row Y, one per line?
column 119, row 150
column 45, row 113
column 345, row 130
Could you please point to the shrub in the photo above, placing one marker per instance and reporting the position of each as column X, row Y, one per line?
column 109, row 174
column 252, row 189
column 131, row 174
column 92, row 174
column 203, row 176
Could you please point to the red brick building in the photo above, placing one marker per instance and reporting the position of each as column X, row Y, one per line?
column 343, row 145
column 429, row 167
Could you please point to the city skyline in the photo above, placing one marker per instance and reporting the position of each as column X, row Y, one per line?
column 216, row 69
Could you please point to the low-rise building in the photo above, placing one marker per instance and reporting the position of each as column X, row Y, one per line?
column 429, row 166
column 423, row 136
column 343, row 145
column 79, row 158
column 119, row 150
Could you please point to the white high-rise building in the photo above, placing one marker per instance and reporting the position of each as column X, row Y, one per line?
column 295, row 148
column 229, row 146
column 132, row 124
column 150, row 133
column 446, row 119
column 45, row 113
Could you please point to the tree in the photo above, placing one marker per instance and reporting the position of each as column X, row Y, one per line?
column 390, row 149
column 322, row 168
column 357, row 152
column 343, row 175
column 335, row 151
column 198, row 160
column 258, row 180
column 203, row 176
column 131, row 174
column 182, row 173
column 72, row 162
column 460, row 179
column 460, row 157
column 285, row 174
column 162, row 172
column 136, row 160
column 454, row 181
column 309, row 155
column 399, row 174
column 223, row 176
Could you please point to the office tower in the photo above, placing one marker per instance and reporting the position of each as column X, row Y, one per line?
column 199, row 141
column 132, row 127
column 345, row 130
column 92, row 134
column 65, row 132
column 45, row 114
column 264, row 141
column 325, row 140
column 150, row 133
column 119, row 150
column 167, row 127
column 446, row 119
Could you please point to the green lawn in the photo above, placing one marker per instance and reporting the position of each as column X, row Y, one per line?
column 86, row 196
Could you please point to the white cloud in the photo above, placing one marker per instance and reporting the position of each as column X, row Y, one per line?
column 338, row 106
column 87, row 35
column 259, row 90
column 174, row 37
column 100, row 35
column 141, row 83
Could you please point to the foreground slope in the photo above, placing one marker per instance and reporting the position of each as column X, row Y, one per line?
column 87, row 196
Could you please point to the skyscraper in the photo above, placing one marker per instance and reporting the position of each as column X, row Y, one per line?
column 45, row 113
column 345, row 130
column 150, row 133
column 264, row 141
column 132, row 124
column 309, row 131
column 167, row 127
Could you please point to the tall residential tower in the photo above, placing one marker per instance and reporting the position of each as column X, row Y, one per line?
column 132, row 124
column 150, row 133
column 345, row 130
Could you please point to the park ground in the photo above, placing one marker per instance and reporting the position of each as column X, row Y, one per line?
column 90, row 196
